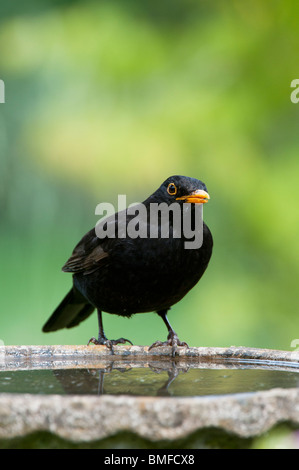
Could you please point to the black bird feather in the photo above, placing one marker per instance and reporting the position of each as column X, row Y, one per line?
column 125, row 276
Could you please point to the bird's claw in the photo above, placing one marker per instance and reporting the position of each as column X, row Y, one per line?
column 173, row 341
column 109, row 343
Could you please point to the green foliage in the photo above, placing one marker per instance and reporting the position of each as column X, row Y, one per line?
column 110, row 97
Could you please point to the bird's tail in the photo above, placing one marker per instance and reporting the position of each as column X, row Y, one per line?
column 70, row 312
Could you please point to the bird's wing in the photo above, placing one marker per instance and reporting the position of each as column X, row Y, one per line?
column 92, row 252
column 87, row 255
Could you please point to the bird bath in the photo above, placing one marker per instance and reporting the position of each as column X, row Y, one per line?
column 85, row 395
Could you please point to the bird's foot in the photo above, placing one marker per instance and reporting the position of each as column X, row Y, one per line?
column 108, row 342
column 172, row 340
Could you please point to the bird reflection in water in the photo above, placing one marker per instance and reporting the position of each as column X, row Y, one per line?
column 139, row 381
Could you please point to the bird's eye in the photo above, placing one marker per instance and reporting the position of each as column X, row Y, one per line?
column 172, row 189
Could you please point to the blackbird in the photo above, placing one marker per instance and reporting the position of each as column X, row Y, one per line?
column 124, row 274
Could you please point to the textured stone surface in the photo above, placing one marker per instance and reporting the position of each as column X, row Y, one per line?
column 26, row 357
column 88, row 418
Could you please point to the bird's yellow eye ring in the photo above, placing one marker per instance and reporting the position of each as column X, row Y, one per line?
column 172, row 189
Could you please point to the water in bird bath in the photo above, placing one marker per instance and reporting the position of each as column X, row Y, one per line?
column 87, row 393
column 145, row 381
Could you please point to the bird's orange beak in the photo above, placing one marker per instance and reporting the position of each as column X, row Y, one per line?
column 198, row 197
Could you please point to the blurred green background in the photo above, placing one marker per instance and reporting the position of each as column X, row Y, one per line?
column 112, row 97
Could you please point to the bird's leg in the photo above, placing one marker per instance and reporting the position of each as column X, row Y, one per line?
column 102, row 337
column 172, row 338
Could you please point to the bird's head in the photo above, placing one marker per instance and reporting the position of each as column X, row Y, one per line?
column 182, row 189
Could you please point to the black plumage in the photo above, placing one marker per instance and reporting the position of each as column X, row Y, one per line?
column 124, row 275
